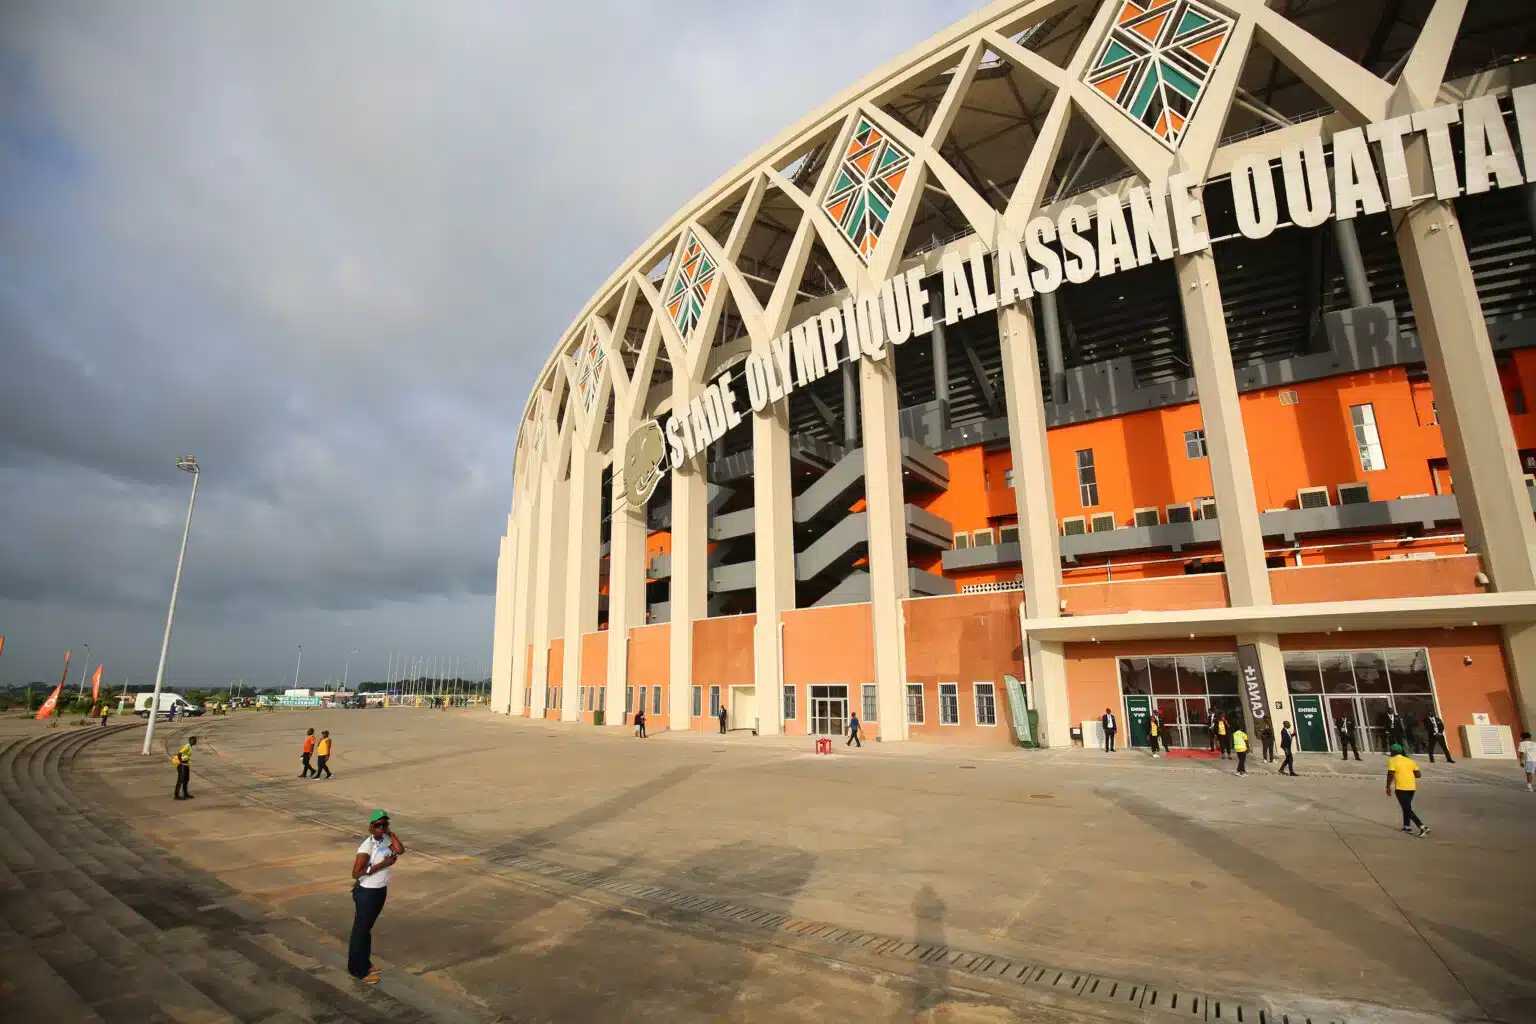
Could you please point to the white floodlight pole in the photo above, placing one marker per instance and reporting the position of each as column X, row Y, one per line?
column 187, row 464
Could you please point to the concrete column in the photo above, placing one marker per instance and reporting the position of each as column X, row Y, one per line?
column 1051, row 323
column 940, row 363
column 886, row 518
column 1352, row 262
column 526, row 513
column 850, row 407
column 1272, row 665
column 626, row 596
column 690, row 569
column 1039, row 542
column 583, row 565
column 501, row 640
column 1479, row 441
column 548, row 596
column 1226, row 443
column 773, row 523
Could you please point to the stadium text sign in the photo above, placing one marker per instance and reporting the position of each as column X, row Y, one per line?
column 1368, row 175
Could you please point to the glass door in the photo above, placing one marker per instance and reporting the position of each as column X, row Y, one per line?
column 829, row 710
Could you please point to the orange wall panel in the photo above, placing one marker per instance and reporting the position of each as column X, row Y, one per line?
column 650, row 661
column 1202, row 590
column 553, row 675
column 1360, row 581
column 964, row 639
column 828, row 645
column 722, row 656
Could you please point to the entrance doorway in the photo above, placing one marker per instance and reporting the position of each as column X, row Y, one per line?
column 744, row 707
column 1186, row 689
column 1364, row 687
column 829, row 709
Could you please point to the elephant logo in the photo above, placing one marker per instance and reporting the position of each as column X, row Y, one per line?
column 644, row 456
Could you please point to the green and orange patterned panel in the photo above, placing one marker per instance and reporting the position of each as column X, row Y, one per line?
column 691, row 284
column 866, row 186
column 1156, row 59
column 589, row 368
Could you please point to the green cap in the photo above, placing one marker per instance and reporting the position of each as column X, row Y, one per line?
column 1397, row 748
column 378, row 815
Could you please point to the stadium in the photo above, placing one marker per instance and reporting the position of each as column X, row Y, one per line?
column 1142, row 355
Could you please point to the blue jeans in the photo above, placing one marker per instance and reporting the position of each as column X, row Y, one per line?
column 369, row 904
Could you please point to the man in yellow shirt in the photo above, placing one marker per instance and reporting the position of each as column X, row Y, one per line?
column 183, row 762
column 1403, row 773
column 323, row 754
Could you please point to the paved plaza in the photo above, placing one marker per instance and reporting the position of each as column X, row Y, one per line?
column 561, row 872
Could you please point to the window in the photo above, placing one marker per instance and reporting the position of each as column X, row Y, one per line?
column 698, row 701
column 914, row 703
column 1367, row 440
column 602, row 699
column 982, row 538
column 1087, row 479
column 1008, row 535
column 642, row 699
column 527, row 696
column 870, row 709
column 1194, row 444
column 581, row 699
column 949, row 703
column 986, row 704
column 656, row 701
column 962, row 541
column 714, row 702
column 1007, row 478
column 790, row 711
column 1517, row 400
column 629, row 699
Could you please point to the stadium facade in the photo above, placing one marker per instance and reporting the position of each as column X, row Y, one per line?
column 1122, row 354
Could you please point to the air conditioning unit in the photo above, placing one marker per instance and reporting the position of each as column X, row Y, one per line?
column 1289, row 398
column 982, row 539
column 1354, row 494
column 1147, row 516
column 962, row 541
column 1205, row 508
column 1481, row 741
column 1312, row 497
column 1179, row 514
column 1103, row 522
column 1008, row 535
column 1074, row 526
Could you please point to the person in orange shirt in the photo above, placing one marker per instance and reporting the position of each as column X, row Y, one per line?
column 309, row 749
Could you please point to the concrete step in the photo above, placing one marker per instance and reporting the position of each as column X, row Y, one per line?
column 31, row 990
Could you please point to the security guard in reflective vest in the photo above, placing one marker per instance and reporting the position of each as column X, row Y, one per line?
column 183, row 762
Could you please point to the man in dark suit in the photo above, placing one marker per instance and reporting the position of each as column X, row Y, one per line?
column 1287, row 739
column 1110, row 728
column 1435, row 726
column 1346, row 731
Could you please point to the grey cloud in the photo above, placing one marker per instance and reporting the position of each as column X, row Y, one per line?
column 325, row 247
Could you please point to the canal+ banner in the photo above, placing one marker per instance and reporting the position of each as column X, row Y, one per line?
column 1368, row 175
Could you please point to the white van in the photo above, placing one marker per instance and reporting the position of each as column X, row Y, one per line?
column 168, row 701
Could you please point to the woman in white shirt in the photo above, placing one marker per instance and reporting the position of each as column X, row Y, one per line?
column 1527, row 751
column 370, row 887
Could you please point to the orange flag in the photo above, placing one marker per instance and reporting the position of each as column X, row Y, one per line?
column 96, row 685
column 2, row 645
column 53, row 698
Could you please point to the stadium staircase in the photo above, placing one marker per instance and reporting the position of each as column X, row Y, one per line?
column 98, row 924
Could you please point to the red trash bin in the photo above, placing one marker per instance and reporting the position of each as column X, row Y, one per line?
column 823, row 745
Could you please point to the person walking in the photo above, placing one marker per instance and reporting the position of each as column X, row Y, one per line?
column 306, row 754
column 104, row 711
column 1223, row 737
column 1403, row 773
column 640, row 723
column 1527, row 753
column 1210, row 731
column 1434, row 725
column 1107, row 720
column 853, row 731
column 183, row 762
column 1267, row 740
column 722, row 719
column 1154, row 729
column 1287, row 739
column 323, row 754
column 1240, row 744
column 370, row 887
column 1346, row 730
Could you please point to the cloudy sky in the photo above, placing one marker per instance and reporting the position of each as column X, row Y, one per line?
column 324, row 247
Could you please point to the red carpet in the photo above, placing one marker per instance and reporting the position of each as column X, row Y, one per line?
column 1205, row 755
